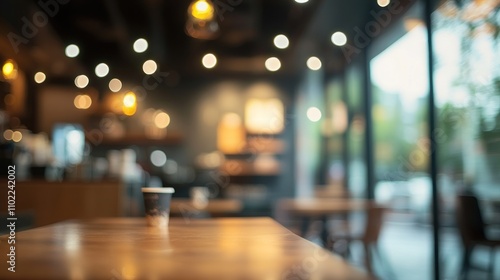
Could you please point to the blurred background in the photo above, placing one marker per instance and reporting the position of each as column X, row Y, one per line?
column 309, row 112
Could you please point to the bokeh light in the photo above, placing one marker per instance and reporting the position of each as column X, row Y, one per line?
column 140, row 45
column 7, row 134
column 101, row 70
column 202, row 10
column 273, row 64
column 17, row 136
column 161, row 119
column 314, row 63
column 82, row 101
column 81, row 81
column 115, row 85
column 72, row 50
column 313, row 114
column 383, row 3
column 149, row 67
column 39, row 77
column 281, row 41
column 209, row 60
column 339, row 38
column 158, row 158
column 9, row 69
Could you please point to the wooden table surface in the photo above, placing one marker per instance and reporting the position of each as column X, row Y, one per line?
column 125, row 248
column 214, row 206
column 323, row 206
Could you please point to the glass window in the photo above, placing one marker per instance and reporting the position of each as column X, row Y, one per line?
column 356, row 133
column 467, row 86
column 399, row 77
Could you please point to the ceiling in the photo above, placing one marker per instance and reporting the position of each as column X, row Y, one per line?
column 105, row 31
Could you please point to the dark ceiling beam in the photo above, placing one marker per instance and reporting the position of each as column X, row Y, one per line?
column 300, row 32
column 120, row 26
column 158, row 44
column 40, row 49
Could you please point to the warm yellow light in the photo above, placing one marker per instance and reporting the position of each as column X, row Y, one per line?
column 76, row 101
column 202, row 10
column 129, row 100
column 17, row 136
column 8, row 134
column 82, row 101
column 9, row 69
column 129, row 104
column 264, row 115
column 161, row 119
column 339, row 118
column 129, row 111
column 231, row 137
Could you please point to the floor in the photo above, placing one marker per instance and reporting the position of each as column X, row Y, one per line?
column 406, row 250
column 406, row 253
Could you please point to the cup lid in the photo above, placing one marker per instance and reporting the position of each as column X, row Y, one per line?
column 158, row 190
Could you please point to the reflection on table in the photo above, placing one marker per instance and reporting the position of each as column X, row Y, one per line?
column 210, row 207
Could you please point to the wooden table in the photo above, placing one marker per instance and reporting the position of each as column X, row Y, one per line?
column 214, row 207
column 320, row 208
column 125, row 248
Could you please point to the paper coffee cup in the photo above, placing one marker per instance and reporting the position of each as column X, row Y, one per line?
column 157, row 205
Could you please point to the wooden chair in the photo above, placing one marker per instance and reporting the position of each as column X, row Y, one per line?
column 369, row 237
column 334, row 191
column 472, row 232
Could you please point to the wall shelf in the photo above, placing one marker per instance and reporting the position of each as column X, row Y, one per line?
column 261, row 145
column 245, row 168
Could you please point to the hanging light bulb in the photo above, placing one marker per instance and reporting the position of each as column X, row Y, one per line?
column 201, row 23
column 202, row 10
column 129, row 104
column 9, row 69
